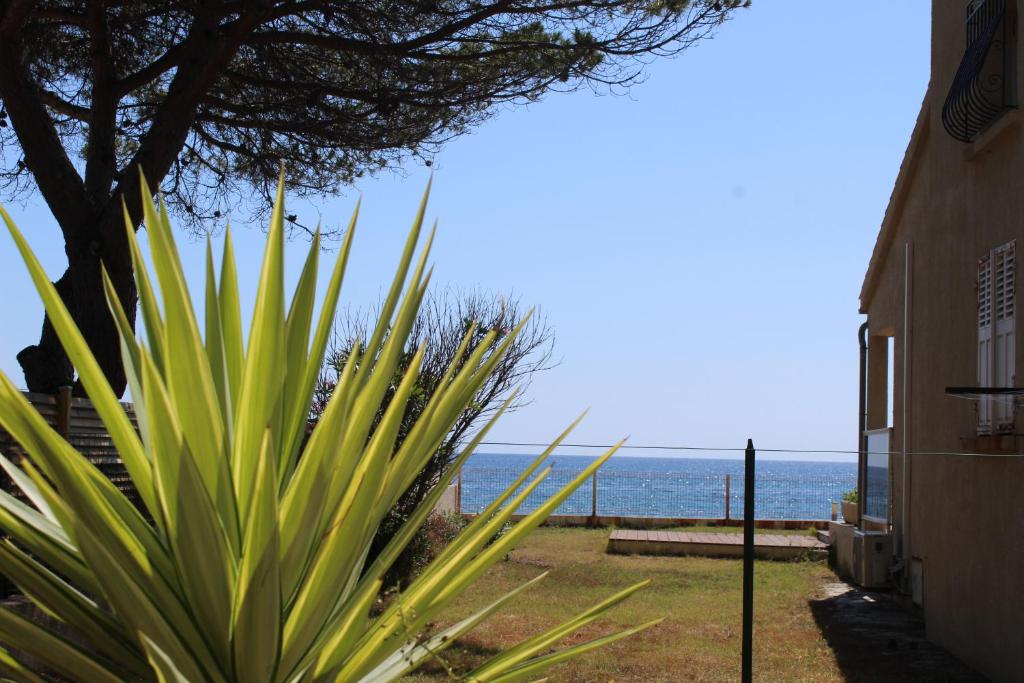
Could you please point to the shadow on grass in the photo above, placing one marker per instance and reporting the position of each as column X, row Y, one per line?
column 464, row 655
column 874, row 639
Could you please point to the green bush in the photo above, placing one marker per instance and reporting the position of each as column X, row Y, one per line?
column 248, row 562
column 439, row 532
column 436, row 534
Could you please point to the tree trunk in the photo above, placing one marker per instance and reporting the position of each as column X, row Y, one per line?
column 45, row 364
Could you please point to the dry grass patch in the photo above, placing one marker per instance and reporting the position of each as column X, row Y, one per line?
column 700, row 598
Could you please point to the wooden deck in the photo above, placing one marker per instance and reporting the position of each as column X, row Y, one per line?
column 766, row 546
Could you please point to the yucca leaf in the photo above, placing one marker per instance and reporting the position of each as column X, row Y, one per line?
column 297, row 326
column 89, row 373
column 376, row 373
column 52, row 546
column 432, row 427
column 187, row 375
column 64, row 658
column 105, row 516
column 187, row 371
column 303, row 505
column 371, row 392
column 348, row 534
column 257, row 614
column 428, row 427
column 394, row 624
column 164, row 665
column 193, row 526
column 263, row 377
column 341, row 495
column 10, row 665
column 29, row 488
column 148, row 307
column 482, row 518
column 214, row 341
column 391, row 301
column 344, row 632
column 526, row 671
column 40, row 525
column 407, row 531
column 143, row 555
column 81, row 483
column 209, row 583
column 231, row 327
column 62, row 601
column 470, row 571
column 348, row 542
column 519, row 654
column 442, row 581
column 161, row 618
column 463, row 389
column 318, row 347
column 131, row 353
column 129, row 347
column 412, row 654
column 44, row 488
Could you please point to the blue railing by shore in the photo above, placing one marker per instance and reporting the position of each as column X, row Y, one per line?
column 665, row 494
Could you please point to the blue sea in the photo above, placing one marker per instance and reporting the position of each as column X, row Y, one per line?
column 701, row 488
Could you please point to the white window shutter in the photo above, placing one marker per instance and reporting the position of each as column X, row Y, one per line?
column 1004, row 346
column 985, row 342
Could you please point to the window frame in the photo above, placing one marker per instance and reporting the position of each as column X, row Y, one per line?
column 996, row 322
column 868, row 451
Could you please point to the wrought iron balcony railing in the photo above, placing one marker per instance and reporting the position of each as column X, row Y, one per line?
column 982, row 87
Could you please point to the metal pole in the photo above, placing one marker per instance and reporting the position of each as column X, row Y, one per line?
column 862, row 418
column 727, row 497
column 748, row 563
column 593, row 500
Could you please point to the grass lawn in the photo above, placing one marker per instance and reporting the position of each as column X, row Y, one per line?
column 700, row 598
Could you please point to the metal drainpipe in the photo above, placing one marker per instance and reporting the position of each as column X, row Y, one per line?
column 907, row 463
column 862, row 417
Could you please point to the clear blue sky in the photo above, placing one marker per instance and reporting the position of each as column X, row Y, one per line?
column 698, row 246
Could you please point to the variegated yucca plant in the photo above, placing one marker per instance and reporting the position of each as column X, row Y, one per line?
column 248, row 562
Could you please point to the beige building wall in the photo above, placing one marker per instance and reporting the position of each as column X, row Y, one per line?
column 961, row 521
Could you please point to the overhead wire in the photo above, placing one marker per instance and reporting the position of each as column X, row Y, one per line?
column 817, row 451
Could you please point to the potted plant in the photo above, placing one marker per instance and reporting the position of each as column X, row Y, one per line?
column 851, row 509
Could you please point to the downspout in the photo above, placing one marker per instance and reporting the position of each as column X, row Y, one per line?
column 908, row 342
column 862, row 416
